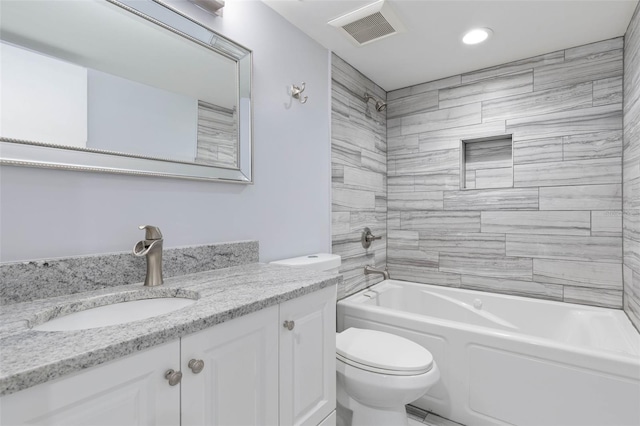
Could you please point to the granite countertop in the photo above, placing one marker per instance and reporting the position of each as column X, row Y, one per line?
column 29, row 357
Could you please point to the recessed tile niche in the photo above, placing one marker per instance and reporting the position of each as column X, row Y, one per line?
column 486, row 162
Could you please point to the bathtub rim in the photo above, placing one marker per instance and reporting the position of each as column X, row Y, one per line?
column 616, row 356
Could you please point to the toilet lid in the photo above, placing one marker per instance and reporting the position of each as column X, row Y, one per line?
column 382, row 351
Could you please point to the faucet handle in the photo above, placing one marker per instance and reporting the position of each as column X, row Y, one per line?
column 152, row 232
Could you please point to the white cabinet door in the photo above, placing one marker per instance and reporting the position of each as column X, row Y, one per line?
column 239, row 382
column 308, row 358
column 125, row 392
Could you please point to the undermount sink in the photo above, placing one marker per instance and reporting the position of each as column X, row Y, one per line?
column 114, row 314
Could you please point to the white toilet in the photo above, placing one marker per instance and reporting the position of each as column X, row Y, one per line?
column 377, row 373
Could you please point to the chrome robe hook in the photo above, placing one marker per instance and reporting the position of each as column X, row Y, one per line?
column 296, row 93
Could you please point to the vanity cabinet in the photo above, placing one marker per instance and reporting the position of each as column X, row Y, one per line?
column 238, row 384
column 274, row 366
column 127, row 391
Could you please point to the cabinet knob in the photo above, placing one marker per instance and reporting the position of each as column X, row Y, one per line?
column 173, row 377
column 289, row 325
column 196, row 365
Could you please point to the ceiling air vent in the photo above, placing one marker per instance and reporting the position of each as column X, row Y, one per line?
column 369, row 23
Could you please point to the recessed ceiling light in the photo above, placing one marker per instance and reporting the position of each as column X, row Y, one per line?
column 477, row 35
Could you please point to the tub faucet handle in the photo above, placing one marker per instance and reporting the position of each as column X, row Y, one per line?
column 368, row 238
column 151, row 232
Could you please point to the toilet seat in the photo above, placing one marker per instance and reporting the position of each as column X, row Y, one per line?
column 381, row 352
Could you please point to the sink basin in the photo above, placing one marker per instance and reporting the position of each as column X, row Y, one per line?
column 116, row 313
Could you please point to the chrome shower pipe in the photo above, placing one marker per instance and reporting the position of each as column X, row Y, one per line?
column 380, row 105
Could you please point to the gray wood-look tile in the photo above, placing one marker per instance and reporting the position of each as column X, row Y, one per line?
column 513, row 67
column 421, row 200
column 343, row 152
column 579, row 70
column 490, row 154
column 448, row 118
column 439, row 181
column 563, row 247
column 581, row 197
column 463, row 243
column 578, row 274
column 340, row 223
column 470, row 179
column 450, row 138
column 337, row 173
column 399, row 271
column 593, row 296
column 492, row 199
column 413, row 257
column 482, row 90
column 537, row 222
column 593, row 145
column 631, row 252
column 575, row 172
column 363, row 178
column 511, row 286
column 400, row 145
column 607, row 91
column 606, row 223
column 537, row 150
column 540, row 102
column 402, row 240
column 594, row 48
column 424, row 87
column 400, row 184
column 494, row 178
column 487, row 266
column 426, row 162
column 566, row 123
column 440, row 222
column 421, row 102
column 351, row 199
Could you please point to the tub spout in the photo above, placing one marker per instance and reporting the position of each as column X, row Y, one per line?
column 371, row 270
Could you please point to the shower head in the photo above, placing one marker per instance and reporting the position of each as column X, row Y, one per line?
column 380, row 106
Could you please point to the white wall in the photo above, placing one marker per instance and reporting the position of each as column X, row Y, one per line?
column 50, row 213
column 38, row 87
column 131, row 117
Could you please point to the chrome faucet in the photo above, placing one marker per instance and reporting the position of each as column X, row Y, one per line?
column 151, row 247
column 368, row 270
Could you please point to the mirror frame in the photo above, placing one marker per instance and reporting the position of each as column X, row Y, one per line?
column 35, row 154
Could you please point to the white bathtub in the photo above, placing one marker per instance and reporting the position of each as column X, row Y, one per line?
column 508, row 360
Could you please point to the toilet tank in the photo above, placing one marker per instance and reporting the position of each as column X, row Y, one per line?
column 318, row 262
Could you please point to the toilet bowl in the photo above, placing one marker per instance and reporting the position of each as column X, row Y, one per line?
column 377, row 375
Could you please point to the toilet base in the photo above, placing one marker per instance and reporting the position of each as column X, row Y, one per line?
column 350, row 412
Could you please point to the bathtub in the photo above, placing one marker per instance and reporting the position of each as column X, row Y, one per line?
column 508, row 360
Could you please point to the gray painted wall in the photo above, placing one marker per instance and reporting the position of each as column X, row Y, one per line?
column 359, row 169
column 631, row 170
column 557, row 233
column 127, row 116
column 53, row 213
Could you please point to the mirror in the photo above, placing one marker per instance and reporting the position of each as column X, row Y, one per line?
column 128, row 86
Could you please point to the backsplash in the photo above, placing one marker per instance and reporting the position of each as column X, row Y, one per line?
column 38, row 279
column 359, row 175
column 557, row 232
column 631, row 170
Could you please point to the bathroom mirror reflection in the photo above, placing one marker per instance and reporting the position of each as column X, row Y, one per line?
column 129, row 87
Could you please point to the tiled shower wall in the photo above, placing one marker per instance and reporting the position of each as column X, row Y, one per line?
column 359, row 169
column 557, row 232
column 631, row 170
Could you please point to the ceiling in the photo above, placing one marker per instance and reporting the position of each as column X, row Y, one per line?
column 431, row 47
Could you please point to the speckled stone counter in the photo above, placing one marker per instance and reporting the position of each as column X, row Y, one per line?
column 38, row 279
column 30, row 357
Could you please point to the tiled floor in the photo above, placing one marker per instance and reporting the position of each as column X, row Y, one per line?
column 418, row 417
